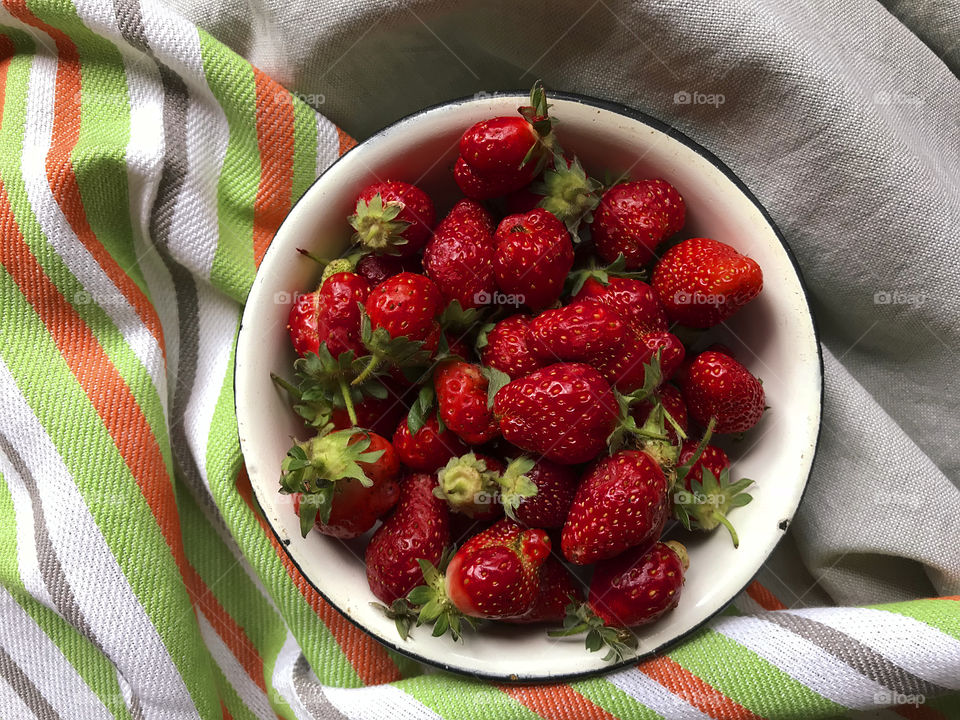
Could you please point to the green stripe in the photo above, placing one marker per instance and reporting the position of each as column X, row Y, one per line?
column 304, row 147
column 9, row 568
column 460, row 699
column 231, row 81
column 235, row 706
column 745, row 678
column 944, row 615
column 613, row 699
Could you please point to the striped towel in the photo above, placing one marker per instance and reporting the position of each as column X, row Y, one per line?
column 144, row 169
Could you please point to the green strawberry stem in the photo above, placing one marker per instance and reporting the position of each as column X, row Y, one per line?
column 701, row 446
column 402, row 614
column 376, row 359
column 322, row 262
column 292, row 390
column 722, row 519
column 620, row 642
column 348, row 401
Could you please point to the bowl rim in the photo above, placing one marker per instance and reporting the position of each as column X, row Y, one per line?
column 672, row 132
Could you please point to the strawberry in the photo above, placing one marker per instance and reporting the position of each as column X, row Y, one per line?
column 672, row 401
column 622, row 501
column 377, row 268
column 459, row 256
column 418, row 528
column 496, row 574
column 634, row 300
column 633, row 218
column 469, row 485
column 331, row 315
column 563, row 412
column 342, row 481
column 393, row 217
column 713, row 459
column 533, row 256
column 381, row 415
column 506, row 347
column 558, row 588
column 634, row 588
column 717, row 386
column 462, row 398
column 429, row 448
column 627, row 368
column 406, row 305
column 587, row 331
column 702, row 282
column 538, row 493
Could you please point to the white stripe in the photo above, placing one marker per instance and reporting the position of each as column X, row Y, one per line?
column 655, row 696
column 282, row 679
column 328, row 144
column 97, row 285
column 805, row 662
column 916, row 647
column 121, row 625
column 248, row 692
column 28, row 562
column 378, row 702
column 44, row 663
column 11, row 706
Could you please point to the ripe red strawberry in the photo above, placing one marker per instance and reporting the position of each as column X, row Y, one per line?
column 534, row 254
column 469, row 485
column 429, row 448
column 633, row 218
column 393, row 217
column 634, row 300
column 330, row 315
column 419, row 528
column 717, row 386
column 634, row 588
column 585, row 331
column 627, row 368
column 671, row 399
column 563, row 412
column 712, row 458
column 622, row 501
column 538, row 493
column 558, row 588
column 507, row 350
column 462, row 399
column 406, row 305
column 459, row 256
column 342, row 482
column 702, row 282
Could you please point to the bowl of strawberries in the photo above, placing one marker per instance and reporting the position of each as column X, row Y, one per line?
column 528, row 389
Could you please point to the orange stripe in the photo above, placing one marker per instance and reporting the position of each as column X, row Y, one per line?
column 346, row 142
column 274, row 120
column 918, row 712
column 701, row 695
column 763, row 597
column 950, row 597
column 371, row 661
column 224, row 713
column 60, row 173
column 556, row 702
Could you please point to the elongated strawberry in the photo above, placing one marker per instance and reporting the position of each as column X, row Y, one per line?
column 393, row 217
column 496, row 574
column 342, row 481
column 537, row 493
column 702, row 282
column 469, row 484
column 534, row 254
column 717, row 386
column 634, row 300
column 459, row 256
column 462, row 399
column 622, row 501
column 633, row 218
column 635, row 588
column 558, row 588
column 506, row 347
column 563, row 412
column 429, row 448
column 330, row 315
column 587, row 331
column 418, row 528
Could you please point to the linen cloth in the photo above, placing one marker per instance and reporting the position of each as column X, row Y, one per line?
column 144, row 168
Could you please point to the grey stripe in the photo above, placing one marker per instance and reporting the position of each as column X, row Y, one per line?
column 24, row 687
column 865, row 660
column 311, row 694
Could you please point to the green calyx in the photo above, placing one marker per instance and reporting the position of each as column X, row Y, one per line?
column 619, row 642
column 376, row 225
column 401, row 612
column 467, row 485
column 537, row 113
column 435, row 607
column 568, row 193
column 312, row 468
column 385, row 352
column 602, row 274
column 627, row 429
column 707, row 503
column 516, row 486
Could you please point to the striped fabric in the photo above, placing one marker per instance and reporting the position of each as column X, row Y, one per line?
column 144, row 169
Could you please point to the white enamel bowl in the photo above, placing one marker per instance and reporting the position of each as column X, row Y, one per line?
column 774, row 336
